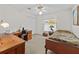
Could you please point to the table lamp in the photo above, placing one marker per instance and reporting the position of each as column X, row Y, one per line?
column 5, row 25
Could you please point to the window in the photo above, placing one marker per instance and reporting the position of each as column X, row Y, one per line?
column 50, row 25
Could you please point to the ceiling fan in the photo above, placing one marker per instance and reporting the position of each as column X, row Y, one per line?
column 40, row 9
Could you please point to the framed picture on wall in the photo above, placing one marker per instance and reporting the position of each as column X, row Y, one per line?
column 75, row 17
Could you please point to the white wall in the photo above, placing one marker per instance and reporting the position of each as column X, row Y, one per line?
column 64, row 20
column 16, row 15
column 16, row 18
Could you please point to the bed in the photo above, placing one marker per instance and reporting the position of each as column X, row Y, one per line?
column 62, row 42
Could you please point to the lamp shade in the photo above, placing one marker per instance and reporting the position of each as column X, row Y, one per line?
column 5, row 24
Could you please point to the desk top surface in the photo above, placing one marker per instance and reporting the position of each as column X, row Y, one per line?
column 8, row 41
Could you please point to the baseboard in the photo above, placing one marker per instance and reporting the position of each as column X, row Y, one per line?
column 37, row 34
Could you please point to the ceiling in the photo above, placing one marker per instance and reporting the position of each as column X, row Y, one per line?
column 50, row 8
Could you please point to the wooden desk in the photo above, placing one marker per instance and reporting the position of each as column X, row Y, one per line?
column 11, row 44
column 17, row 33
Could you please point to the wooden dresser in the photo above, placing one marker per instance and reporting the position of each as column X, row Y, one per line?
column 11, row 44
column 28, row 35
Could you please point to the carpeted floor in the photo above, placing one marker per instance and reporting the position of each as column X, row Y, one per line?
column 36, row 45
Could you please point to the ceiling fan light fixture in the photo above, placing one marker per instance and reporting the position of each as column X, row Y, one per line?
column 40, row 12
column 39, row 9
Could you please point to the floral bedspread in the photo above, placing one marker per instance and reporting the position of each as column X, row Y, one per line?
column 66, row 36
